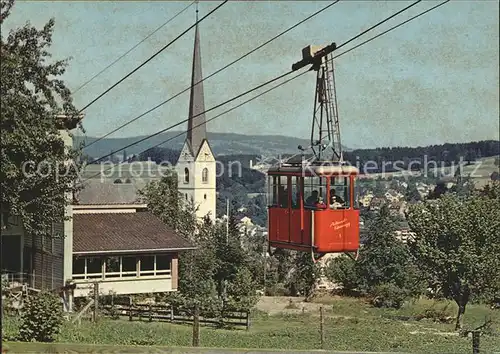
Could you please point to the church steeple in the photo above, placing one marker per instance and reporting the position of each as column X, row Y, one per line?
column 196, row 167
column 197, row 130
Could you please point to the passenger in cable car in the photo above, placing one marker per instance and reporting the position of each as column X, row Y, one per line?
column 321, row 204
column 312, row 200
column 296, row 201
column 335, row 200
column 283, row 197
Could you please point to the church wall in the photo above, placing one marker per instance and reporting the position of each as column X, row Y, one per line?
column 203, row 194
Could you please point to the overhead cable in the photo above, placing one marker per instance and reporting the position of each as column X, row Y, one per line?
column 215, row 117
column 196, row 115
column 151, row 58
column 131, row 49
column 240, row 95
column 390, row 29
column 209, row 76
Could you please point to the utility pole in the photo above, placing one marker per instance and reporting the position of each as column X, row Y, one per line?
column 265, row 265
column 227, row 221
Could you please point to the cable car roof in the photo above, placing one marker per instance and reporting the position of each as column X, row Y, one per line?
column 313, row 170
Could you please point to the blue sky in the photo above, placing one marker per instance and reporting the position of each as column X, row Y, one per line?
column 431, row 81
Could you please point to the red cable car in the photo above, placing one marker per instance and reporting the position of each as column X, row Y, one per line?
column 313, row 208
column 312, row 203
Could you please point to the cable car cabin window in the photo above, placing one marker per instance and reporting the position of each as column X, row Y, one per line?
column 272, row 191
column 315, row 192
column 295, row 192
column 283, row 192
column 356, row 194
column 278, row 191
column 339, row 193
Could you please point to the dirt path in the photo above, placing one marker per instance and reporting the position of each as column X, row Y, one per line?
column 281, row 304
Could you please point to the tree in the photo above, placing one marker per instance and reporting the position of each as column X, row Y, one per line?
column 241, row 292
column 438, row 191
column 160, row 155
column 165, row 201
column 457, row 245
column 342, row 270
column 34, row 179
column 384, row 259
column 412, row 194
column 304, row 274
column 229, row 253
column 196, row 267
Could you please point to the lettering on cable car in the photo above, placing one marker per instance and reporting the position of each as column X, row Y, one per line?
column 344, row 223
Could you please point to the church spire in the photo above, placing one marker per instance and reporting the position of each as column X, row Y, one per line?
column 197, row 130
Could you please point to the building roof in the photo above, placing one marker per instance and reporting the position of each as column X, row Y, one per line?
column 197, row 131
column 120, row 232
column 96, row 192
column 143, row 170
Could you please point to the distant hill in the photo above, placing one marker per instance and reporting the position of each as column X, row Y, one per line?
column 221, row 143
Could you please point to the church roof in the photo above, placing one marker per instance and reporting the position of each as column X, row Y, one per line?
column 197, row 130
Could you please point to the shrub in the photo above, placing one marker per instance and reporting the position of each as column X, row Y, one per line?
column 41, row 319
column 388, row 295
column 437, row 315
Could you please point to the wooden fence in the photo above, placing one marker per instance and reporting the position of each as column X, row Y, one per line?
column 169, row 313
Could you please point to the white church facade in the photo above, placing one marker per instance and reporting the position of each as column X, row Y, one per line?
column 196, row 179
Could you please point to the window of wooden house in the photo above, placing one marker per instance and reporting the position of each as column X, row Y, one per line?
column 78, row 268
column 112, row 267
column 129, row 266
column 163, row 264
column 147, row 265
column 94, row 268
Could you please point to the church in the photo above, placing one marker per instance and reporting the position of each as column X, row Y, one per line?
column 196, row 167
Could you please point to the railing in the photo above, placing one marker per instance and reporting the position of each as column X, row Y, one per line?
column 15, row 277
column 165, row 312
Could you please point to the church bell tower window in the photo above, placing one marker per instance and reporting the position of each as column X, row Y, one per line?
column 204, row 175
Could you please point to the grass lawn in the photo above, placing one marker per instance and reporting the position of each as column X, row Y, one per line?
column 350, row 325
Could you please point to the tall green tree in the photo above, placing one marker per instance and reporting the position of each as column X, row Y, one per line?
column 241, row 290
column 385, row 260
column 457, row 245
column 229, row 253
column 33, row 175
column 165, row 201
column 304, row 274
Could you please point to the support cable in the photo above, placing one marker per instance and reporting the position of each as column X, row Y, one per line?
column 131, row 49
column 150, row 58
column 249, row 91
column 209, row 76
